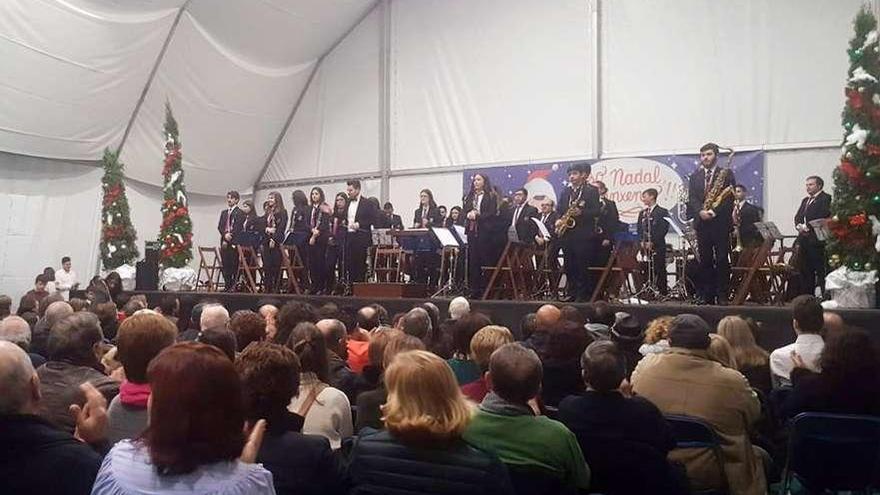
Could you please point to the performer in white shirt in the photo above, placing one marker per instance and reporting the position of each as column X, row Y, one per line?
column 65, row 278
column 808, row 320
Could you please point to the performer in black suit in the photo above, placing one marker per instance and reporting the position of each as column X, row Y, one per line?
column 387, row 218
column 609, row 224
column 427, row 214
column 336, row 237
column 578, row 242
column 518, row 217
column 745, row 215
column 653, row 228
column 548, row 217
column 276, row 226
column 230, row 224
column 707, row 186
column 426, row 264
column 319, row 227
column 816, row 205
column 361, row 216
column 480, row 212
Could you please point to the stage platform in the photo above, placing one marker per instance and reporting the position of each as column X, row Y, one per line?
column 776, row 329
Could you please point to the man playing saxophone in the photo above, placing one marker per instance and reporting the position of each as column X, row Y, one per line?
column 710, row 207
column 578, row 204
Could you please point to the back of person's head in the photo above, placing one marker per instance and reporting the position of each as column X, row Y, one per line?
column 425, row 405
column 566, row 342
column 367, row 318
column 221, row 338
column 196, row 409
column 626, row 329
column 140, row 338
column 73, row 339
column 458, row 307
column 603, row 313
column 850, row 359
column 78, row 304
column 528, row 324
column 133, row 306
column 213, row 317
column 5, row 305
column 269, row 377
column 248, row 327
column 547, row 317
column 308, row 344
column 106, row 313
column 434, row 314
column 327, row 310
column 334, row 333
column 515, row 373
column 27, row 304
column 417, row 323
column 56, row 311
column 689, row 331
column 720, row 351
column 16, row 330
column 400, row 342
column 833, row 323
column 382, row 313
column 603, row 365
column 464, row 330
column 658, row 329
column 18, row 381
column 807, row 314
column 379, row 340
column 48, row 301
column 169, row 305
column 485, row 341
column 738, row 334
column 292, row 314
column 571, row 313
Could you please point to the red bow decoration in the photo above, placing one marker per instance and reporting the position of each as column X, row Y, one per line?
column 854, row 98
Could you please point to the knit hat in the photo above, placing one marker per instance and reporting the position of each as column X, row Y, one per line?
column 689, row 331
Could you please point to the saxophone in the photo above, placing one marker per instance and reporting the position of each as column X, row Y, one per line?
column 718, row 193
column 567, row 219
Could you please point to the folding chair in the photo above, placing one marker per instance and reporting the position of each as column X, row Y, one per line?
column 211, row 266
column 292, row 265
column 249, row 269
column 694, row 433
column 837, row 452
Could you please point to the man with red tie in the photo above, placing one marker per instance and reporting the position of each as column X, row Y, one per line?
column 817, row 205
column 231, row 223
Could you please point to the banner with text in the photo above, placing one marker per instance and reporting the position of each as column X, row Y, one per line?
column 625, row 179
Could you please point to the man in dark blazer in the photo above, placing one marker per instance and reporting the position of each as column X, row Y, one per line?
column 745, row 216
column 230, row 224
column 712, row 223
column 609, row 224
column 817, row 205
column 518, row 217
column 548, row 217
column 388, row 220
column 653, row 228
column 361, row 216
column 578, row 242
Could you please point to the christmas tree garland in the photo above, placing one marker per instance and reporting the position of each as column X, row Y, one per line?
column 175, row 233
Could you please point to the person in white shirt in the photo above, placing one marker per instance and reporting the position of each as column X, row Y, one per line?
column 808, row 320
column 65, row 278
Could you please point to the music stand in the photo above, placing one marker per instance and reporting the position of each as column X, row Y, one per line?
column 450, row 246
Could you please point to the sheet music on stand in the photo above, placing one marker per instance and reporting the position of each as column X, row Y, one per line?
column 382, row 237
column 674, row 226
column 445, row 237
column 542, row 229
column 768, row 230
column 820, row 227
column 461, row 234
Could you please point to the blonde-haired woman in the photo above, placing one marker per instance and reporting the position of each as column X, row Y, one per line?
column 421, row 450
column 751, row 359
column 656, row 336
column 720, row 351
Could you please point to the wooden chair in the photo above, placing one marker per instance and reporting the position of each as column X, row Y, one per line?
column 616, row 273
column 293, row 268
column 387, row 263
column 250, row 269
column 210, row 269
column 513, row 275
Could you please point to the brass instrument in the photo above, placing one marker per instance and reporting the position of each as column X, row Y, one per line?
column 568, row 218
column 739, row 245
column 718, row 193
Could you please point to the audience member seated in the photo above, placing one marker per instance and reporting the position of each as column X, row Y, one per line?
column 601, row 321
column 458, row 308
column 248, row 327
column 561, row 361
column 36, row 457
column 221, row 338
column 684, row 380
column 483, row 345
column 807, row 320
column 464, row 368
column 832, row 324
column 195, row 442
column 54, row 312
column 656, row 336
column 169, row 307
column 39, row 291
column 627, row 333
column 73, row 359
column 571, row 313
column 848, row 383
column 417, row 323
column 751, row 360
column 269, row 312
column 506, row 426
column 371, row 376
column 78, row 304
column 367, row 319
column 369, row 404
column 422, row 450
column 5, row 306
column 106, row 313
column 300, row 464
column 546, row 320
column 326, row 410
column 141, row 338
column 292, row 314
column 336, row 339
column 14, row 329
column 625, row 439
column 440, row 341
column 27, row 305
column 527, row 326
column 720, row 351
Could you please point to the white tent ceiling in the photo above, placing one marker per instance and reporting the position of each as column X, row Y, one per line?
column 75, row 72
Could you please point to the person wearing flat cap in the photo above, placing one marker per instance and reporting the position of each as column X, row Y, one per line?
column 684, row 380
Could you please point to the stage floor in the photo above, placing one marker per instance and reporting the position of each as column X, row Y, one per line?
column 775, row 321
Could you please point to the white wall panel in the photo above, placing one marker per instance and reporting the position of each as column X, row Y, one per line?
column 678, row 73
column 404, row 192
column 487, row 81
column 336, row 128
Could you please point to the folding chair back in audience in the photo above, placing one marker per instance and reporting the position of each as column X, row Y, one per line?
column 694, row 433
column 834, row 452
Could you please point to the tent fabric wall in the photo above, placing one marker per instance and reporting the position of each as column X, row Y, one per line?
column 336, row 127
column 678, row 73
column 48, row 209
column 488, row 81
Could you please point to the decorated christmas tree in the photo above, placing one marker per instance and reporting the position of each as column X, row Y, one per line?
column 175, row 234
column 118, row 236
column 856, row 204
